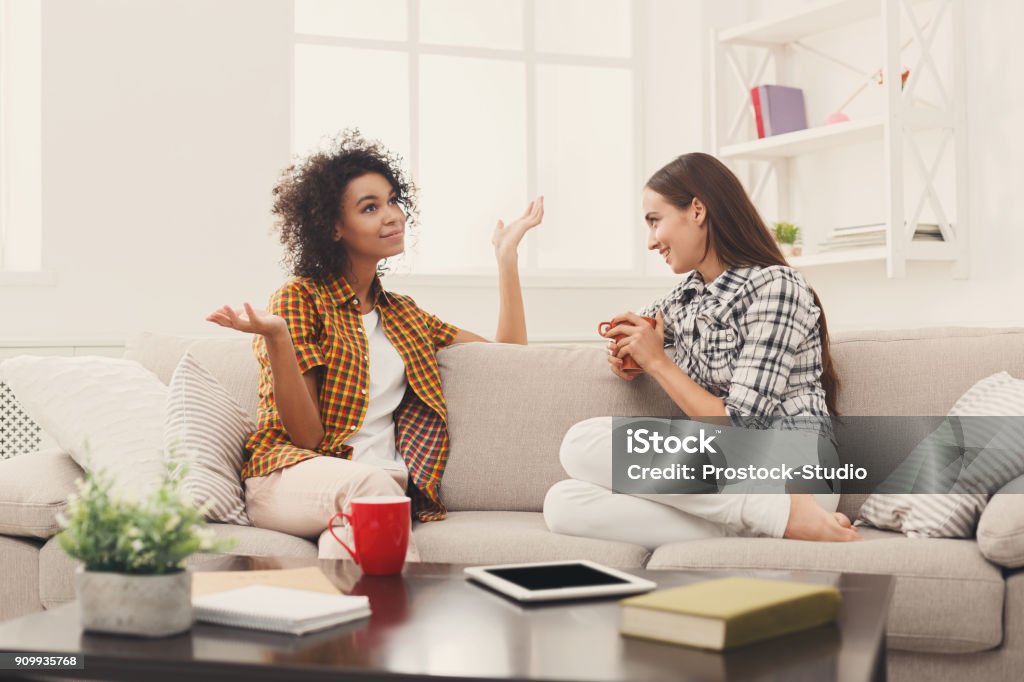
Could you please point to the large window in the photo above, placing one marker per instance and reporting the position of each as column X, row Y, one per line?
column 20, row 136
column 490, row 102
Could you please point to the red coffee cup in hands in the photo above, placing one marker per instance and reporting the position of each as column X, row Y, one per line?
column 628, row 363
column 380, row 533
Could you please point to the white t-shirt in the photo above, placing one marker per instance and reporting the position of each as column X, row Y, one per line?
column 374, row 443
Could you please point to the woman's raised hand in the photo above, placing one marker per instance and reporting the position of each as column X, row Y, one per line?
column 506, row 238
column 249, row 320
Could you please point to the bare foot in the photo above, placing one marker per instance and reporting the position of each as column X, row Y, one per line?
column 808, row 521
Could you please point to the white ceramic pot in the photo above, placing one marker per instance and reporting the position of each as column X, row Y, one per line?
column 140, row 605
column 790, row 250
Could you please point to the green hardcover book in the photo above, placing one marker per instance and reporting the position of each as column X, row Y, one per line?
column 730, row 612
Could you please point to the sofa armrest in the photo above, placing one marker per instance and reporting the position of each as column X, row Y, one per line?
column 34, row 489
column 1001, row 530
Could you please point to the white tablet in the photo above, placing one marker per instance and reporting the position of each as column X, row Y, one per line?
column 552, row 580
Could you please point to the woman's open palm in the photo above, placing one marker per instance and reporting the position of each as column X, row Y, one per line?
column 506, row 238
column 248, row 320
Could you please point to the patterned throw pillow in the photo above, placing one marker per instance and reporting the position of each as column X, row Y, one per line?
column 997, row 456
column 207, row 428
column 18, row 433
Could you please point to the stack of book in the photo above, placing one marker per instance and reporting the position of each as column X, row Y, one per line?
column 873, row 234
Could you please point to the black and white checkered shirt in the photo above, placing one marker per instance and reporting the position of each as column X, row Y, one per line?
column 751, row 338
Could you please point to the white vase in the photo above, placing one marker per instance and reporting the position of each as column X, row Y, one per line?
column 140, row 605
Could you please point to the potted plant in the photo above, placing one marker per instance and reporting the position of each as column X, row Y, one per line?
column 786, row 235
column 133, row 578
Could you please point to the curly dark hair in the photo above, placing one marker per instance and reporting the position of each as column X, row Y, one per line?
column 307, row 201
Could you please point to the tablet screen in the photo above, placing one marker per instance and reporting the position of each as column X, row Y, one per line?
column 556, row 577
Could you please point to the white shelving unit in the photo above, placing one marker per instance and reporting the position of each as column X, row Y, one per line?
column 895, row 127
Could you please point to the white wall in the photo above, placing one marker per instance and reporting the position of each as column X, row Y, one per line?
column 859, row 295
column 166, row 122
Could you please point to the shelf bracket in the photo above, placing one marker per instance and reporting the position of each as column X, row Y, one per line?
column 925, row 43
column 928, row 191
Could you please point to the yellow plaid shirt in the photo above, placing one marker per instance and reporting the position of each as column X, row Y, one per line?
column 326, row 328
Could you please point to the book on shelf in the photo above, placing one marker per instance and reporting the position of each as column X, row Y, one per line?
column 755, row 97
column 778, row 109
column 729, row 612
column 279, row 609
column 873, row 234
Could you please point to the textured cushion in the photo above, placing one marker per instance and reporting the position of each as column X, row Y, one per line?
column 19, row 588
column 1000, row 457
column 207, row 429
column 913, row 372
column 232, row 363
column 1001, row 528
column 159, row 353
column 512, row 537
column 34, row 489
column 57, row 569
column 107, row 413
column 935, row 578
column 229, row 359
column 509, row 408
column 996, row 665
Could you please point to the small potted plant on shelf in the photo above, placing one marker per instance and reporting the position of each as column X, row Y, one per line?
column 786, row 235
column 133, row 578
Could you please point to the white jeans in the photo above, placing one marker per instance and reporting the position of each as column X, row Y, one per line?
column 584, row 505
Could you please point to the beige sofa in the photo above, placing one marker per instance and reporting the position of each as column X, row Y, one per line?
column 954, row 615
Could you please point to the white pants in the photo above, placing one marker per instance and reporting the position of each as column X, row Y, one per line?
column 299, row 499
column 584, row 505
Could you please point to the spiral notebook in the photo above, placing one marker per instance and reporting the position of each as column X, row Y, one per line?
column 279, row 609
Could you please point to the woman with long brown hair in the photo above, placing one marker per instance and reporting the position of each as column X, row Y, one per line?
column 742, row 336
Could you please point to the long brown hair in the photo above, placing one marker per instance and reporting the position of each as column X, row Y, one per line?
column 735, row 231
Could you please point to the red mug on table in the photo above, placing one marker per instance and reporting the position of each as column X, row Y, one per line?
column 628, row 363
column 380, row 533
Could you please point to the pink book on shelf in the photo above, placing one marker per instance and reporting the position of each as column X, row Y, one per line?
column 782, row 109
column 755, row 97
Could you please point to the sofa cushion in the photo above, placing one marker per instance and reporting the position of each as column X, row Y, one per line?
column 159, row 353
column 206, row 428
column 233, row 365
column 1001, row 528
column 912, row 372
column 894, row 373
column 992, row 429
column 107, row 413
column 57, row 569
column 995, row 665
column 229, row 359
column 935, row 579
column 512, row 537
column 509, row 408
column 34, row 489
column 19, row 567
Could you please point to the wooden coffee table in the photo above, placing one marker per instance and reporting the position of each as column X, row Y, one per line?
column 431, row 623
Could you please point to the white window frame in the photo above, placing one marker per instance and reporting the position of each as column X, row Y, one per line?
column 9, row 98
column 532, row 276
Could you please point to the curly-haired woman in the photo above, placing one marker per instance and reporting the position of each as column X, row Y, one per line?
column 350, row 400
column 742, row 336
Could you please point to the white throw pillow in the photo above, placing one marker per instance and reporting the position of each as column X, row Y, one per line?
column 207, row 428
column 107, row 413
column 999, row 460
